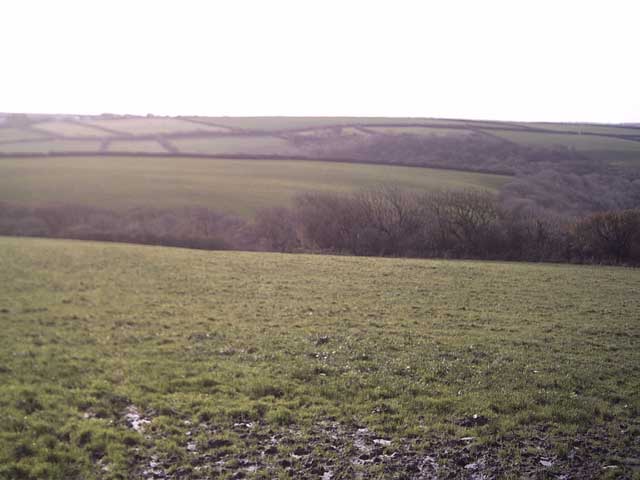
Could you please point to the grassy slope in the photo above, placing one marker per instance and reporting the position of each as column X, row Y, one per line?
column 579, row 142
column 576, row 127
column 418, row 131
column 146, row 126
column 613, row 151
column 264, row 145
column 231, row 355
column 70, row 129
column 44, row 146
column 8, row 134
column 146, row 146
column 237, row 186
column 292, row 123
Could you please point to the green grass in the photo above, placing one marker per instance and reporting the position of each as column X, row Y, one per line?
column 577, row 127
column 151, row 126
column 71, row 129
column 332, row 132
column 578, row 142
column 236, row 186
column 146, row 146
column 8, row 134
column 45, row 146
column 264, row 145
column 291, row 123
column 210, row 138
column 439, row 132
column 226, row 353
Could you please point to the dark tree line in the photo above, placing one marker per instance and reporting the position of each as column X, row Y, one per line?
column 467, row 224
column 183, row 227
column 448, row 224
column 391, row 222
column 385, row 221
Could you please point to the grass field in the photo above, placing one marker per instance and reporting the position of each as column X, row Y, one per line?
column 151, row 126
column 440, row 132
column 146, row 146
column 235, row 186
column 17, row 134
column 292, row 123
column 577, row 127
column 333, row 131
column 45, row 146
column 578, row 142
column 71, row 129
column 264, row 145
column 124, row 361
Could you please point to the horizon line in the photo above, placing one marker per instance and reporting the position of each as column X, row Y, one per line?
column 164, row 115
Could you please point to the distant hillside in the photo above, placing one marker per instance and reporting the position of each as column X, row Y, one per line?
column 301, row 136
column 555, row 166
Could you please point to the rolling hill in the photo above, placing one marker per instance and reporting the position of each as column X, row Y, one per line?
column 566, row 169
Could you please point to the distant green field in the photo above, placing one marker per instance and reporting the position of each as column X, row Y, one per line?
column 71, row 129
column 146, row 146
column 264, row 145
column 576, row 127
column 237, row 186
column 147, row 126
column 45, row 146
column 289, row 123
column 439, row 132
column 12, row 134
column 325, row 137
column 120, row 361
column 579, row 142
column 207, row 134
column 333, row 131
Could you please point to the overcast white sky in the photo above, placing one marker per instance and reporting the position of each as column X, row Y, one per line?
column 561, row 60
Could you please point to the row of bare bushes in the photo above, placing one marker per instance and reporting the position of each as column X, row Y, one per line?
column 448, row 224
column 182, row 227
column 379, row 222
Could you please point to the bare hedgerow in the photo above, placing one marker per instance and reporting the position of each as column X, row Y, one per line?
column 609, row 237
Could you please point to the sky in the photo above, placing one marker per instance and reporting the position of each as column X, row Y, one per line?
column 553, row 60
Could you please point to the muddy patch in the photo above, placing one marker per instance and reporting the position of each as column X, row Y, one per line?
column 135, row 420
column 331, row 450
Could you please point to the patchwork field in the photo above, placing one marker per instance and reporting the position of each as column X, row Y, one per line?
column 124, row 361
column 294, row 123
column 286, row 136
column 235, row 186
